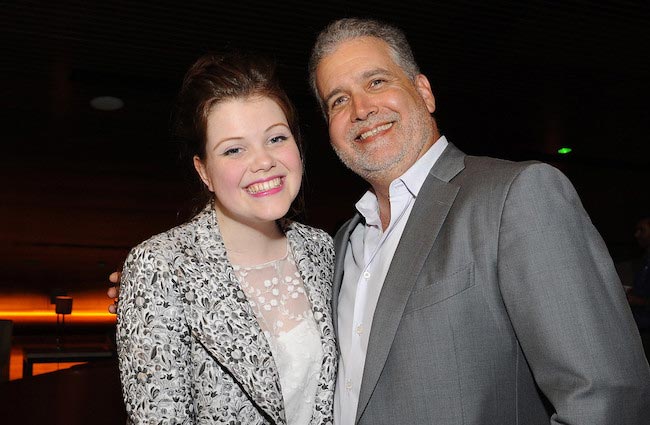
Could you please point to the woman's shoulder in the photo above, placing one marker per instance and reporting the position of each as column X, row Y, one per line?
column 310, row 233
column 315, row 242
column 169, row 240
column 176, row 240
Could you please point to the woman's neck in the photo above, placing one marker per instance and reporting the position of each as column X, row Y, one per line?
column 251, row 244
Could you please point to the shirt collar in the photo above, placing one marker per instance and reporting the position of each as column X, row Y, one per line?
column 415, row 176
column 411, row 181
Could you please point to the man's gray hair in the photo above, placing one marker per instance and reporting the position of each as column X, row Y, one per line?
column 348, row 28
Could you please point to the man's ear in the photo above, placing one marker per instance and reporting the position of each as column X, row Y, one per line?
column 424, row 88
column 199, row 166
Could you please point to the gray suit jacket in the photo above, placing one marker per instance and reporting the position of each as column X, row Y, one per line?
column 501, row 306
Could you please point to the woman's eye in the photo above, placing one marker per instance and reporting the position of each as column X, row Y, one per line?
column 278, row 139
column 232, row 151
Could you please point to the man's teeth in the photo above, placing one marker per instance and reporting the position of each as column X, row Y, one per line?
column 264, row 186
column 375, row 131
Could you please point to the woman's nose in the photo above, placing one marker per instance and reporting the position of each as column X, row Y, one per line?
column 263, row 161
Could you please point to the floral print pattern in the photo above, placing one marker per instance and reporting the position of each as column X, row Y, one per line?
column 190, row 348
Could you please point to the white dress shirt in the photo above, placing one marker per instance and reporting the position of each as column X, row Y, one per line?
column 367, row 259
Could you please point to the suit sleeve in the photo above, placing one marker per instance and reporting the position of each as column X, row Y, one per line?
column 567, row 305
column 153, row 343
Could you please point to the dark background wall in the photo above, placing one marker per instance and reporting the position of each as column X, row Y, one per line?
column 512, row 79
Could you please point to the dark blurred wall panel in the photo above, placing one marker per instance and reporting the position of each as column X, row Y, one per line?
column 84, row 394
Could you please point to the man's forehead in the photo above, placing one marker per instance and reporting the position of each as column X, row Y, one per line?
column 355, row 58
column 365, row 46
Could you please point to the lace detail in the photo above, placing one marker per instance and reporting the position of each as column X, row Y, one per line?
column 276, row 293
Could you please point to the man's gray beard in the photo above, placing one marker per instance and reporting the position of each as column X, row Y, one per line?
column 366, row 169
column 373, row 171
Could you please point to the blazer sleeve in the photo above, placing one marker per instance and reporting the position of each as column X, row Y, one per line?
column 567, row 306
column 153, row 343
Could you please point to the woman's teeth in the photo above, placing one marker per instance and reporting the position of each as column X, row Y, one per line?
column 264, row 186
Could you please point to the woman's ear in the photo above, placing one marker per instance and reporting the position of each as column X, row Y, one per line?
column 199, row 166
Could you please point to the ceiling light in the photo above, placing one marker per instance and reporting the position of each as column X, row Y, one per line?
column 107, row 103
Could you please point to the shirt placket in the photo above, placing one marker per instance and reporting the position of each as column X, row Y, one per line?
column 358, row 336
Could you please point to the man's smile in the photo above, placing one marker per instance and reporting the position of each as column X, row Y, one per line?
column 373, row 132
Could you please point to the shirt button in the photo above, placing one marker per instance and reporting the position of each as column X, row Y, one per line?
column 348, row 384
column 366, row 275
column 359, row 329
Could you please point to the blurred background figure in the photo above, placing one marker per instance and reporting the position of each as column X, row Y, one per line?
column 639, row 294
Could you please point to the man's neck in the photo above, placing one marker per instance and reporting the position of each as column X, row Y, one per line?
column 381, row 181
column 383, row 200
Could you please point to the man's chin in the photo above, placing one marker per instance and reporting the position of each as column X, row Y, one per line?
column 369, row 170
column 377, row 174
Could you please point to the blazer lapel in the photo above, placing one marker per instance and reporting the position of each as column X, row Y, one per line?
column 222, row 320
column 427, row 217
column 318, row 287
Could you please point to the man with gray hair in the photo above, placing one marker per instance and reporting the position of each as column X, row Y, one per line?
column 467, row 290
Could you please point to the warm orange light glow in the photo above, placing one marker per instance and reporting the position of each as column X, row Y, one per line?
column 40, row 316
column 16, row 365
column 87, row 308
column 52, row 315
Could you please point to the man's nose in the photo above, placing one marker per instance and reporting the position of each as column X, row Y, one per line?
column 363, row 107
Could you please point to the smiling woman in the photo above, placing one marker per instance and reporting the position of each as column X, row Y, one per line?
column 239, row 293
column 254, row 171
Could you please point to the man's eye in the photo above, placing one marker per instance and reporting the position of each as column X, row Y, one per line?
column 338, row 101
column 377, row 82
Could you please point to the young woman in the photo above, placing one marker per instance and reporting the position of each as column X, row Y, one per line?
column 226, row 318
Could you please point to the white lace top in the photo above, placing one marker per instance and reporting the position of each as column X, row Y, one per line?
column 276, row 293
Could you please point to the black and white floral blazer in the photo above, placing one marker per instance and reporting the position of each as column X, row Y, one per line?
column 190, row 348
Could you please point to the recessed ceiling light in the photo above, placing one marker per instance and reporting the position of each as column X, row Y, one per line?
column 107, row 103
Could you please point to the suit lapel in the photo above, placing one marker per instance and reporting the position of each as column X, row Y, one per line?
column 425, row 221
column 222, row 320
column 340, row 247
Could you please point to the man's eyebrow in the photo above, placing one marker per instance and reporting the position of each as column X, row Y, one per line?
column 333, row 93
column 375, row 71
column 364, row 76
